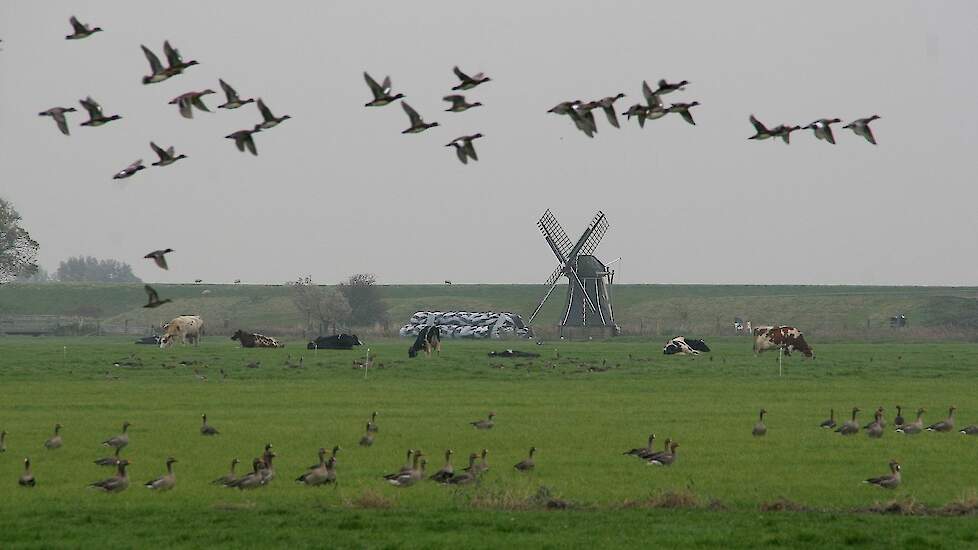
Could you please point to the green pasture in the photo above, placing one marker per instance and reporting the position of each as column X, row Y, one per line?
column 581, row 404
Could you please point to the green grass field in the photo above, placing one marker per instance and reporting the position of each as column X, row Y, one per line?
column 580, row 420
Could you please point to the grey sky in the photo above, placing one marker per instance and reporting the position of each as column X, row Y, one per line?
column 338, row 189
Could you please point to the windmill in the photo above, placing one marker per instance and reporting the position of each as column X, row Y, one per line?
column 588, row 308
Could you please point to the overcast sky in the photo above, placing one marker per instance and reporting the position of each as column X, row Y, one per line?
column 337, row 189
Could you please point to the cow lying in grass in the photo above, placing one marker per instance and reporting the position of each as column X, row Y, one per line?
column 255, row 340
column 336, row 341
column 680, row 344
column 429, row 338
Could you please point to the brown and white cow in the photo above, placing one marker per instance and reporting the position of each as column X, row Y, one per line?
column 786, row 338
column 188, row 328
column 255, row 340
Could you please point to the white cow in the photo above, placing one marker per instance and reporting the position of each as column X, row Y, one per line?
column 186, row 327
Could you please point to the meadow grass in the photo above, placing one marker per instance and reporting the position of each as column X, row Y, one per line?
column 581, row 404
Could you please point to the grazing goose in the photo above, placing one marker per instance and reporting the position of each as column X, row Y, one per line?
column 527, row 463
column 159, row 257
column 408, row 466
column 121, row 440
column 447, row 471
column 667, row 88
column 243, row 139
column 176, row 62
column 459, row 104
column 889, row 481
column 317, row 474
column 898, row 421
column 230, row 477
column 916, row 426
column 946, row 425
column 783, row 131
column 117, row 483
column 830, row 423
column 233, row 100
column 251, row 480
column 418, row 124
column 167, row 157
column 270, row 120
column 970, row 430
column 130, row 170
column 822, row 129
column 166, row 481
column 639, row 451
column 860, row 127
column 58, row 114
column 468, row 82
column 656, row 109
column 368, row 437
column 466, row 476
column 683, row 110
column 110, row 460
column 205, row 428
column 27, row 478
column 188, row 101
column 666, row 458
column 95, row 116
column 875, row 429
column 607, row 104
column 486, row 424
column 760, row 130
column 381, row 92
column 80, row 29
column 3, row 441
column 850, row 427
column 157, row 72
column 55, row 441
column 464, row 148
column 760, row 429
column 372, row 424
column 153, row 298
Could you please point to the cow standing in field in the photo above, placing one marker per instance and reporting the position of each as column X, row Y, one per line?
column 429, row 338
column 785, row 338
column 188, row 328
column 255, row 340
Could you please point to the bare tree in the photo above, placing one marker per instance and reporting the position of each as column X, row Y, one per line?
column 18, row 251
column 319, row 304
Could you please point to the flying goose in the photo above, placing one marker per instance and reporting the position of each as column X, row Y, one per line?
column 188, row 101
column 668, row 88
column 970, row 430
column 117, row 483
column 244, row 139
column 783, row 131
column 822, row 129
column 166, row 481
column 110, row 460
column 638, row 110
column 58, row 114
column 468, row 82
column 55, row 441
column 418, row 124
column 916, row 426
column 154, row 298
column 176, row 63
column 372, row 425
column 381, row 92
column 121, row 440
column 230, row 476
column 656, row 109
column 159, row 257
column 447, row 471
column 316, row 475
column 81, row 30
column 527, row 463
column 898, row 421
column 130, row 170
column 683, row 110
column 466, row 476
column 564, row 107
column 946, row 425
column 850, row 427
column 486, row 424
column 270, row 120
column 251, row 480
column 639, row 451
column 830, row 423
column 233, row 100
column 167, row 157
column 889, row 481
column 95, row 116
column 459, row 104
column 583, row 118
column 205, row 428
column 368, row 437
column 760, row 131
column 666, row 458
column 157, row 72
column 860, row 127
column 875, row 429
column 759, row 428
column 464, row 148
column 607, row 104
column 27, row 478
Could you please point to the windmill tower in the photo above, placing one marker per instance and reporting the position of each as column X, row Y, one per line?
column 588, row 311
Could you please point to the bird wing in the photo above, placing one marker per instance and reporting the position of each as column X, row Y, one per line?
column 650, row 96
column 92, row 106
column 460, row 153
column 159, row 152
column 186, row 109
column 612, row 118
column 457, row 100
column 469, row 149
column 266, row 113
column 198, row 102
column 687, row 116
column 249, row 142
column 172, row 54
column 150, row 293
column 461, row 76
column 828, row 134
column 154, row 62
column 387, row 85
column 77, row 25
column 868, row 134
column 228, row 90
column 412, row 114
column 374, row 87
column 59, row 117
column 761, row 129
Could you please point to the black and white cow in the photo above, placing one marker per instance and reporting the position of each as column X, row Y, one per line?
column 680, row 344
column 429, row 338
column 336, row 341
column 255, row 340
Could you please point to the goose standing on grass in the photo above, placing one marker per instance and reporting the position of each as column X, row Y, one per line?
column 481, row 466
column 683, row 110
column 159, row 257
column 830, row 423
column 459, row 104
column 860, row 127
column 189, row 101
column 3, row 441
column 666, row 458
column 205, row 428
column 368, row 437
column 95, row 115
column 27, row 478
column 875, row 418
column 468, row 82
column 55, row 441
column 81, row 30
column 898, row 421
column 58, row 114
column 447, row 471
column 486, row 424
column 875, row 429
column 822, row 129
column 916, row 426
column 760, row 429
column 408, row 466
column 251, row 480
column 372, row 424
column 418, row 124
column 130, row 170
column 406, row 479
column 665, row 450
column 316, row 475
column 851, row 426
column 228, row 478
column 466, row 476
column 268, row 470
column 760, row 130
column 167, row 157
column 527, row 463
column 946, row 425
column 269, row 120
column 110, row 460
column 639, row 451
column 381, row 92
column 970, row 430
column 166, row 481
column 244, row 139
column 464, row 148
column 233, row 100
column 117, row 483
column 121, row 440
column 890, row 481
column 607, row 104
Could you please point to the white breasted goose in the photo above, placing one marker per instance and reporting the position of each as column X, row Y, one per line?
column 607, row 104
column 372, row 424
column 244, row 139
column 190, row 100
column 381, row 92
column 176, row 63
column 166, row 481
column 167, row 156
column 822, row 129
column 898, row 421
column 121, row 440
column 683, row 110
column 946, row 425
column 760, row 429
column 269, row 120
column 459, row 104
column 466, row 476
column 153, row 298
column 159, row 257
column 889, row 481
column 117, row 483
column 666, row 458
column 95, row 116
column 970, row 430
column 468, row 82
column 860, row 127
column 27, row 478
column 527, row 463
column 464, row 149
column 639, row 451
column 830, row 423
column 447, row 471
column 760, row 130
column 205, row 428
column 230, row 476
column 233, row 100
column 851, row 426
column 55, row 441
column 80, row 29
column 418, row 124
column 58, row 114
column 130, row 170
column 668, row 88
column 110, row 460
column 914, row 427
column 486, row 424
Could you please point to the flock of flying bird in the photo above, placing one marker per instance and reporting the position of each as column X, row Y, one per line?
column 186, row 103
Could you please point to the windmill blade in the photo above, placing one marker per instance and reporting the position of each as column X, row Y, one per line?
column 555, row 276
column 555, row 235
column 599, row 226
column 553, row 285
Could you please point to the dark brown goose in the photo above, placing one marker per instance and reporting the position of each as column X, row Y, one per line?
column 850, row 427
column 639, row 451
column 110, row 460
column 252, row 480
column 55, row 441
column 486, row 424
column 372, row 425
column 760, row 429
column 205, row 428
column 666, row 458
column 970, row 430
column 117, row 483
column 159, row 257
column 447, row 471
column 830, row 423
column 468, row 475
column 665, row 450
column 153, row 298
column 527, row 463
column 459, row 104
column 898, row 421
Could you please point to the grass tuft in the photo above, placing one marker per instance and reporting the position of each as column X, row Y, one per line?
column 965, row 505
column 782, row 504
column 907, row 506
column 511, row 499
column 370, row 499
column 673, row 499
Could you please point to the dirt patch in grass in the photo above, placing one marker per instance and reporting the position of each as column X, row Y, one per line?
column 907, row 506
column 509, row 499
column 966, row 505
column 370, row 499
column 783, row 504
column 681, row 499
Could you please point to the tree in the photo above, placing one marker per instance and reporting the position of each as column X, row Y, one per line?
column 363, row 295
column 86, row 269
column 319, row 304
column 18, row 251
